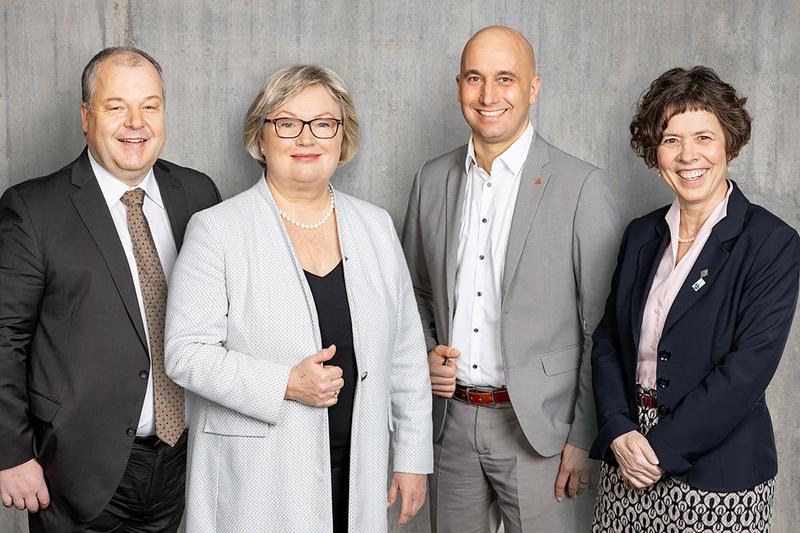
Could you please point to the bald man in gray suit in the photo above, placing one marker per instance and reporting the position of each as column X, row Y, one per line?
column 510, row 242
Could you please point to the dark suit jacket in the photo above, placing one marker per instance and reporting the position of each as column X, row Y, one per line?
column 718, row 351
column 72, row 341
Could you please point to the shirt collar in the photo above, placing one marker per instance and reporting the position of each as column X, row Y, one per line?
column 113, row 188
column 513, row 158
column 673, row 218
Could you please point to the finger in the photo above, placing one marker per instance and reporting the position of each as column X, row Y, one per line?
column 443, row 380
column 7, row 500
column 441, row 371
column 43, row 496
column 451, row 353
column 19, row 502
column 323, row 355
column 649, row 453
column 392, row 496
column 32, row 504
column 573, row 485
column 561, row 482
column 336, row 385
column 332, row 372
column 406, row 503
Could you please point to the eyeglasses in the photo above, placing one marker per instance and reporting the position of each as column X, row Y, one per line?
column 290, row 128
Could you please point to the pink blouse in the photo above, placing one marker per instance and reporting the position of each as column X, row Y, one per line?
column 666, row 284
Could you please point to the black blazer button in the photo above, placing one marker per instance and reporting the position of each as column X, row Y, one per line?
column 143, row 374
column 663, row 383
column 664, row 410
column 131, row 432
column 664, row 355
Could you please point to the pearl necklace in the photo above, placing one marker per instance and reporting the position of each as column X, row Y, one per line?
column 687, row 240
column 328, row 213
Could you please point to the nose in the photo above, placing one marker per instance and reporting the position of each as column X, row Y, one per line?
column 135, row 119
column 688, row 152
column 305, row 137
column 488, row 93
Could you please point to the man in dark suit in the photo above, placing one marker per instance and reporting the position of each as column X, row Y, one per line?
column 92, row 431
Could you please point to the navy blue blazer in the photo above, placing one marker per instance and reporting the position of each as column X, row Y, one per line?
column 718, row 351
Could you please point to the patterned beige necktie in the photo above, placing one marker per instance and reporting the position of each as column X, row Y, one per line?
column 168, row 397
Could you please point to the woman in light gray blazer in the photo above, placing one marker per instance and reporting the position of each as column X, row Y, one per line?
column 292, row 324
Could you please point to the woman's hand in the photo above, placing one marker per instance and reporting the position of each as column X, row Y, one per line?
column 638, row 463
column 412, row 494
column 313, row 384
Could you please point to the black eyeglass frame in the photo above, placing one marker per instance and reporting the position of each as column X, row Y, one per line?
column 304, row 124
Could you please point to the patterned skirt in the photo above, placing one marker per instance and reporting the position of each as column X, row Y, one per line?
column 672, row 506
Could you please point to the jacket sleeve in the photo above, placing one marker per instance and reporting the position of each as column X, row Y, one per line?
column 196, row 329
column 412, row 247
column 412, row 438
column 713, row 409
column 22, row 286
column 608, row 379
column 595, row 238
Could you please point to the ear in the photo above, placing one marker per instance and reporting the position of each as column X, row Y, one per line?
column 536, row 84
column 84, row 119
column 458, row 88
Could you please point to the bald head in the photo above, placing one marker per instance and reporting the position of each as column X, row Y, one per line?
column 492, row 36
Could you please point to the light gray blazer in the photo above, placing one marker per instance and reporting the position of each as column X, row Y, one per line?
column 561, row 248
column 240, row 315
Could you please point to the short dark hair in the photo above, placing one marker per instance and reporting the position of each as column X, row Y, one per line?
column 679, row 90
column 128, row 55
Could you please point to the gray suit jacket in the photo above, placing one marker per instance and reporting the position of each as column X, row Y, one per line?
column 240, row 316
column 564, row 235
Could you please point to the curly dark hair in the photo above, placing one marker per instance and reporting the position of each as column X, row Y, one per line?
column 679, row 90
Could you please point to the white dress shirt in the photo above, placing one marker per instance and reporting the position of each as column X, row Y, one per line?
column 488, row 208
column 157, row 219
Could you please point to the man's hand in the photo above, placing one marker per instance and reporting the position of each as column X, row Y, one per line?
column 412, row 494
column 576, row 473
column 443, row 370
column 638, row 462
column 23, row 487
column 312, row 383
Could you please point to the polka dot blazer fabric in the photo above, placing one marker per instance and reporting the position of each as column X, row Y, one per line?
column 240, row 315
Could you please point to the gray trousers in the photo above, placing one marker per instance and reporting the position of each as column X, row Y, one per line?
column 485, row 468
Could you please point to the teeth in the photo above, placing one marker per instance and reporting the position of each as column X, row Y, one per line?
column 692, row 174
column 132, row 140
column 491, row 113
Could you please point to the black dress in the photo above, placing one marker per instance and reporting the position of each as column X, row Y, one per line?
column 333, row 311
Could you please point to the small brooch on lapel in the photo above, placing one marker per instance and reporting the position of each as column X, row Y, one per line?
column 697, row 285
column 538, row 181
column 704, row 273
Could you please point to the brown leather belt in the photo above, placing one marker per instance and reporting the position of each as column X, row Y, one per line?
column 482, row 396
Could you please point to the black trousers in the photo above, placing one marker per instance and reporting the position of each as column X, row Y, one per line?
column 149, row 499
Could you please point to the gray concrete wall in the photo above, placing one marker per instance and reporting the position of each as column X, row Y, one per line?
column 400, row 60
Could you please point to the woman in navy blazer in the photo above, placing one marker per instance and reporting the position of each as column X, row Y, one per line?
column 700, row 308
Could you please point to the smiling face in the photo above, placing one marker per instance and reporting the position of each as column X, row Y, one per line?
column 124, row 125
column 692, row 159
column 496, row 87
column 304, row 159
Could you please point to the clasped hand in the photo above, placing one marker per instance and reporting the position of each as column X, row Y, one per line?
column 442, row 370
column 312, row 383
column 24, row 487
column 638, row 462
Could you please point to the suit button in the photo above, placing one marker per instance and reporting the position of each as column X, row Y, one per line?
column 664, row 355
column 664, row 410
column 663, row 383
column 143, row 374
column 131, row 432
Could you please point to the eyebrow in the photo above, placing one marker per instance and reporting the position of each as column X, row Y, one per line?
column 118, row 99
column 669, row 134
column 326, row 114
column 506, row 73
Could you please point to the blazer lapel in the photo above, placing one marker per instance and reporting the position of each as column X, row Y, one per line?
column 91, row 207
column 532, row 186
column 454, row 203
column 711, row 259
column 647, row 262
column 174, row 197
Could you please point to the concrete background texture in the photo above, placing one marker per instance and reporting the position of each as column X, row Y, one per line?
column 400, row 59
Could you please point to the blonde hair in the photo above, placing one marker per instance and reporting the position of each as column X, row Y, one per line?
column 285, row 84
